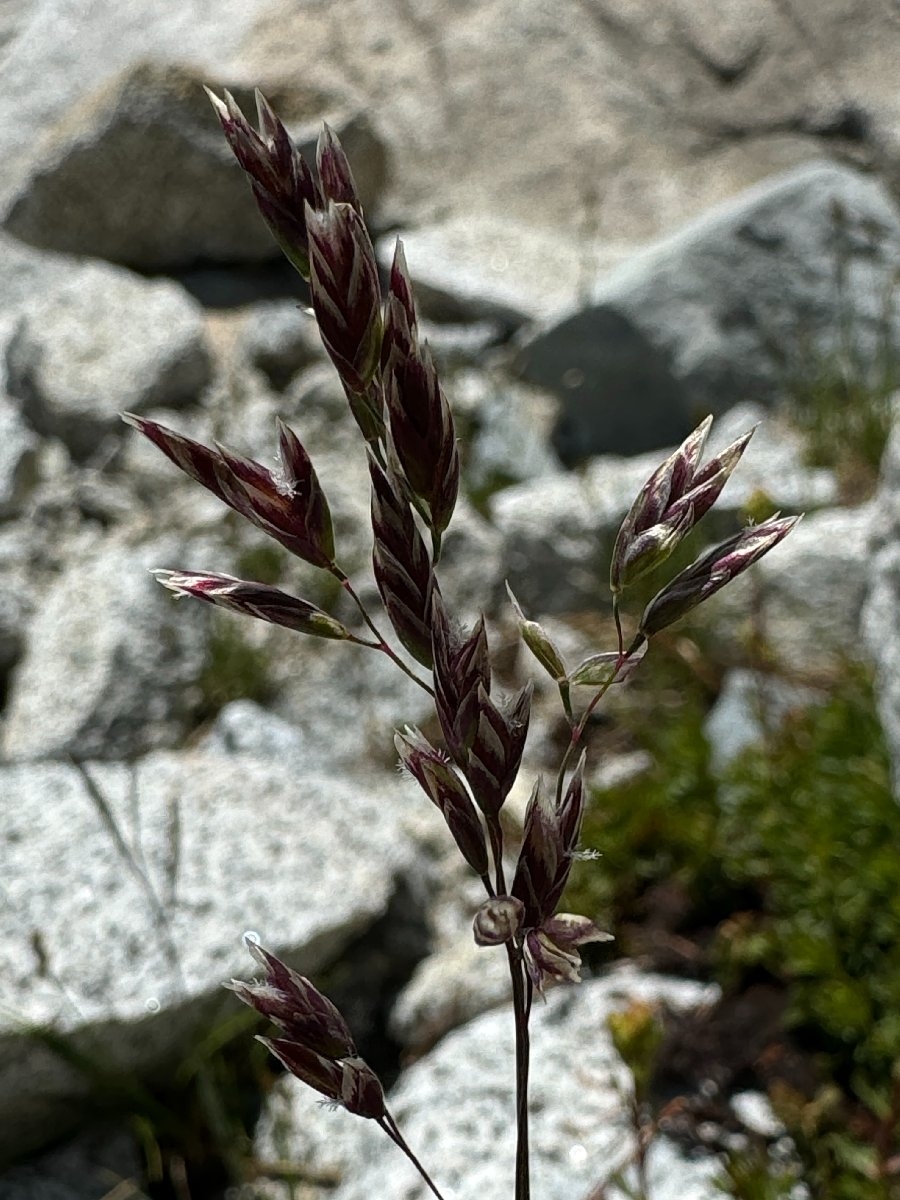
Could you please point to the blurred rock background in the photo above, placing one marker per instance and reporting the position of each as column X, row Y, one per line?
column 619, row 217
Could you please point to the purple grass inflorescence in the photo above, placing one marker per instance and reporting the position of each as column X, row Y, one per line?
column 395, row 397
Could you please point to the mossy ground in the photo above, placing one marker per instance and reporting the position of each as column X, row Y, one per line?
column 783, row 874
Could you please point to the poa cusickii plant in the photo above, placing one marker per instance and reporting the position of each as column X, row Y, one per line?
column 405, row 422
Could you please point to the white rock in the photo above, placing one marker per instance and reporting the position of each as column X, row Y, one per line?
column 754, row 1111
column 111, row 666
column 121, row 918
column 98, row 340
column 807, row 595
column 455, row 1108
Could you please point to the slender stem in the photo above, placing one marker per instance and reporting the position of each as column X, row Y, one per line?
column 579, row 727
column 643, row 1132
column 495, row 833
column 381, row 644
column 522, row 991
column 618, row 619
column 390, row 1127
column 435, row 546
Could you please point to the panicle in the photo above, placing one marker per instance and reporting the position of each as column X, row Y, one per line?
column 461, row 667
column 402, row 566
column 335, row 176
column 715, row 568
column 550, row 940
column 670, row 504
column 255, row 600
column 346, row 298
column 317, row 1046
column 548, row 847
column 551, row 952
column 423, row 437
column 280, row 179
column 291, row 507
column 443, row 786
column 498, row 743
column 296, row 1006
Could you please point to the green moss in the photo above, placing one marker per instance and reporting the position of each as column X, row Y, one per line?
column 263, row 563
column 659, row 826
column 235, row 669
column 787, row 868
column 194, row 1121
column 845, row 418
column 839, row 381
column 810, row 822
column 751, row 1175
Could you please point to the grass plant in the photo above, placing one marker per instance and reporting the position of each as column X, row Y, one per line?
column 406, row 429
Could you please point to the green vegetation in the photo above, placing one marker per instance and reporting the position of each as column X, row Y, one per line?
column 841, row 398
column 811, row 823
column 845, row 416
column 235, row 669
column 753, row 1176
column 195, row 1128
column 787, row 870
column 264, row 562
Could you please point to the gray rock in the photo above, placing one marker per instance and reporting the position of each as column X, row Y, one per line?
column 717, row 311
column 460, row 344
column 749, row 705
column 12, row 620
column 19, row 583
column 18, row 459
column 456, row 981
column 42, row 87
column 12, row 15
column 448, row 989
column 279, row 338
column 137, row 64
column 138, row 172
column 455, row 1108
column 26, row 272
column 609, row 126
column 243, row 727
column 100, row 340
column 508, row 429
column 485, row 267
column 111, row 666
column 881, row 627
column 91, row 1165
column 551, row 554
column 317, row 399
column 612, row 123
column 806, row 597
column 468, row 568
column 124, row 944
column 346, row 702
